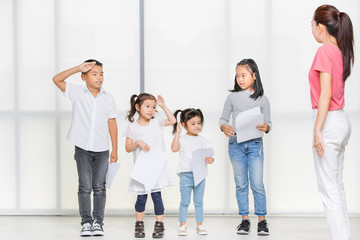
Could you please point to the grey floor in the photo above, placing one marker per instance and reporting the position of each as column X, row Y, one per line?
column 121, row 227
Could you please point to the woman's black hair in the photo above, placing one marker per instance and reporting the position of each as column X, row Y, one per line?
column 186, row 115
column 137, row 99
column 339, row 25
column 253, row 68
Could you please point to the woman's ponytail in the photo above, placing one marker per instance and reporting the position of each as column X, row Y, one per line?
column 345, row 39
column 338, row 25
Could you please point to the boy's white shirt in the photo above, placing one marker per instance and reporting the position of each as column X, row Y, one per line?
column 89, row 126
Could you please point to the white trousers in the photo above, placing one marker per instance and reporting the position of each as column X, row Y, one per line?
column 329, row 171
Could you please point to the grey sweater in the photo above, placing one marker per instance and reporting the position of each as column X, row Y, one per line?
column 237, row 102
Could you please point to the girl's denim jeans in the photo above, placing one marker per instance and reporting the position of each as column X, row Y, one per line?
column 186, row 187
column 247, row 160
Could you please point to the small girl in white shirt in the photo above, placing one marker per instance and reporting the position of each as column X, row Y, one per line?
column 144, row 134
column 192, row 120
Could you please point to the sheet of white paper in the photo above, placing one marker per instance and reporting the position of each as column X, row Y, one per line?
column 111, row 172
column 148, row 167
column 199, row 164
column 246, row 122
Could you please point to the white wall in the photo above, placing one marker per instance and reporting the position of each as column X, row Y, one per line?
column 191, row 49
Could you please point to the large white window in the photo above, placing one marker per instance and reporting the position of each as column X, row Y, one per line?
column 190, row 52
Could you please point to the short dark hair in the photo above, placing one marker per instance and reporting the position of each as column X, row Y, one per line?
column 253, row 68
column 96, row 63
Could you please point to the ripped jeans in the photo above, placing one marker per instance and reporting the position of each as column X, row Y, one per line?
column 247, row 159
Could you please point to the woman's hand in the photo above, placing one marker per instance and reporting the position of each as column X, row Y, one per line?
column 264, row 127
column 318, row 143
column 143, row 146
column 228, row 130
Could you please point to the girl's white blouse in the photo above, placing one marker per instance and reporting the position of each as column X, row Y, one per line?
column 152, row 135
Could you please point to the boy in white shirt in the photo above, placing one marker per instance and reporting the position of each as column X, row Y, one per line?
column 93, row 120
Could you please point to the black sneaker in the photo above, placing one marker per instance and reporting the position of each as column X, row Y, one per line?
column 263, row 228
column 97, row 228
column 86, row 230
column 244, row 227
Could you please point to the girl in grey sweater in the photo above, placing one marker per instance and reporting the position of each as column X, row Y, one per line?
column 247, row 157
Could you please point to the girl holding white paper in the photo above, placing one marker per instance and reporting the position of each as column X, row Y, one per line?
column 192, row 120
column 247, row 157
column 145, row 134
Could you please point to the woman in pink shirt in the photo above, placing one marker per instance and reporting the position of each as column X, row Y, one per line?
column 332, row 129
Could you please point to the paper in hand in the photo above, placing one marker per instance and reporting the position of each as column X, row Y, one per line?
column 148, row 167
column 246, row 122
column 199, row 165
column 111, row 172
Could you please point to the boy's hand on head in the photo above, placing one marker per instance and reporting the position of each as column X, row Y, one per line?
column 264, row 127
column 160, row 101
column 113, row 157
column 143, row 146
column 209, row 160
column 86, row 66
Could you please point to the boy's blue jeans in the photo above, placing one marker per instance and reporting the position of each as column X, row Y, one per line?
column 92, row 168
column 247, row 160
column 186, row 186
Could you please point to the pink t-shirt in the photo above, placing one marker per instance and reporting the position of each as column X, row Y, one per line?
column 328, row 59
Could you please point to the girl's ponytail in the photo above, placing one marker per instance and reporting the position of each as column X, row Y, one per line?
column 131, row 113
column 175, row 124
column 345, row 39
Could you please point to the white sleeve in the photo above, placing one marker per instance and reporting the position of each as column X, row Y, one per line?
column 128, row 132
column 113, row 109
column 71, row 91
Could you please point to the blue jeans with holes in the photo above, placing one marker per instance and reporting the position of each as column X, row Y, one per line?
column 187, row 185
column 92, row 168
column 247, row 159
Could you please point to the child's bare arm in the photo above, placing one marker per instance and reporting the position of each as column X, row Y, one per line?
column 59, row 79
column 131, row 146
column 175, row 145
column 113, row 130
column 170, row 117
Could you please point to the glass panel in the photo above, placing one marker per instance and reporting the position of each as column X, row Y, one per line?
column 7, row 50
column 185, row 62
column 36, row 55
column 7, row 170
column 112, row 39
column 37, row 163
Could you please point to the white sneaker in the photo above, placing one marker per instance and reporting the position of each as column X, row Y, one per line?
column 97, row 229
column 201, row 230
column 86, row 230
column 182, row 230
